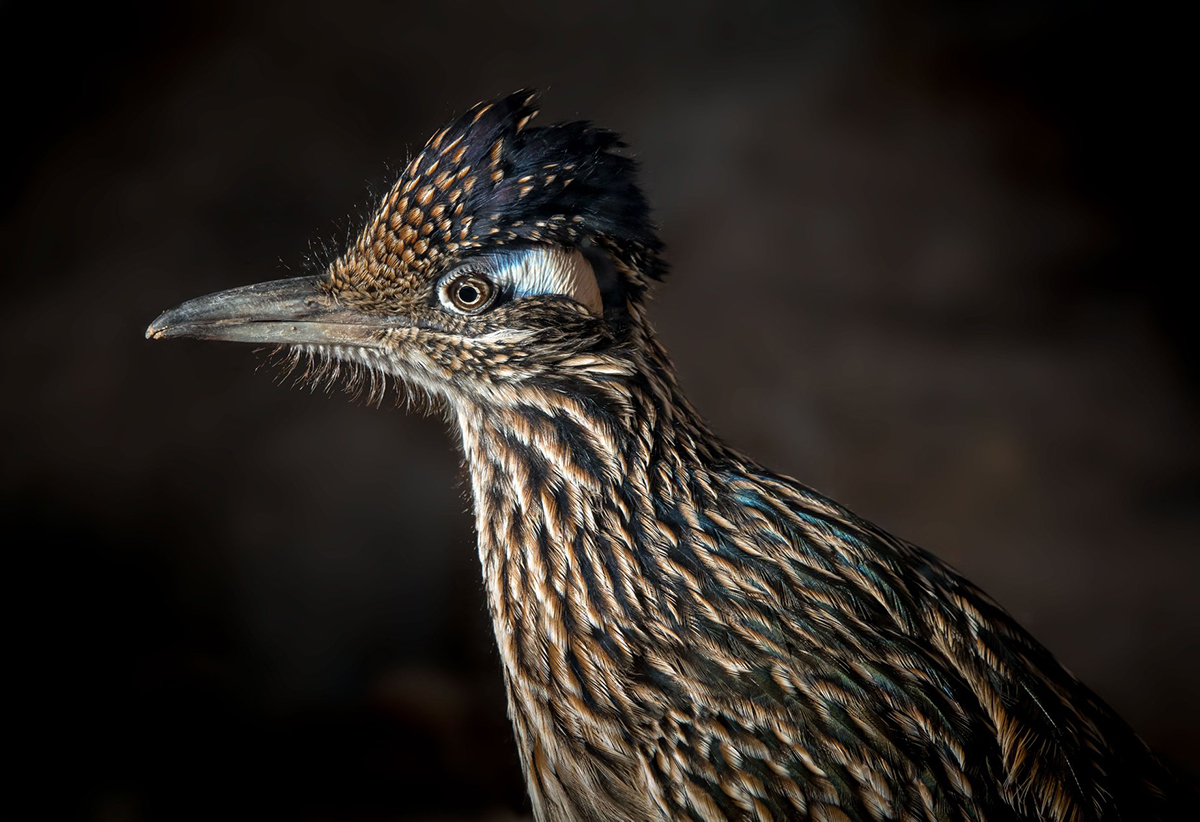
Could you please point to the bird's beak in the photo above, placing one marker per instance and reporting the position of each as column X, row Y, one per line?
column 282, row 312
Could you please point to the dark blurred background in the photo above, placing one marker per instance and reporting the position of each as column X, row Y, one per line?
column 918, row 263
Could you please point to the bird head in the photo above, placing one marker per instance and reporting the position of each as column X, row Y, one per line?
column 505, row 256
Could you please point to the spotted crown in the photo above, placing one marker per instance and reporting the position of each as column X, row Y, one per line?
column 488, row 181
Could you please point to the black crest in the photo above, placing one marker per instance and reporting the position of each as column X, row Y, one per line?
column 489, row 180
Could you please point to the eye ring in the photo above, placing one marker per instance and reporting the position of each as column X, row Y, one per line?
column 467, row 293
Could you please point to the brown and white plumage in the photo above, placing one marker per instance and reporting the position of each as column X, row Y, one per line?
column 684, row 634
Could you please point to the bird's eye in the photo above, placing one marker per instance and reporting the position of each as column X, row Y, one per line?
column 468, row 293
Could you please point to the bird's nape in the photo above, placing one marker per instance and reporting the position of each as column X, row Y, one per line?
column 684, row 634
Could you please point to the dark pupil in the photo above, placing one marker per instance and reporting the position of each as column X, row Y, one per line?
column 468, row 294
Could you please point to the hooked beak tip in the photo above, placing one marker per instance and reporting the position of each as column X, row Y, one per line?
column 157, row 329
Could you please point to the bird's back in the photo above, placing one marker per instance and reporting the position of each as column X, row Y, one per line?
column 832, row 670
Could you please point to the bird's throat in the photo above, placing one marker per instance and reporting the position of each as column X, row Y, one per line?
column 564, row 494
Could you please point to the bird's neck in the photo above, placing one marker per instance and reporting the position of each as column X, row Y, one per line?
column 568, row 484
column 578, row 495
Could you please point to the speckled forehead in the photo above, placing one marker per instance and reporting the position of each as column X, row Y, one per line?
column 454, row 196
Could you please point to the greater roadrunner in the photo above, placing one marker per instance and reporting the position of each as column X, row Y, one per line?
column 684, row 634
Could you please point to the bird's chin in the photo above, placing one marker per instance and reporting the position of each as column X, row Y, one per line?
column 370, row 373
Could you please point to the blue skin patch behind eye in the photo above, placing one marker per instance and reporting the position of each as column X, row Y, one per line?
column 539, row 271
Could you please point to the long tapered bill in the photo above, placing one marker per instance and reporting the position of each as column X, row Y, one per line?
column 292, row 311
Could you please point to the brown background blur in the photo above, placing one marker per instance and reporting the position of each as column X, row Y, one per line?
column 917, row 263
